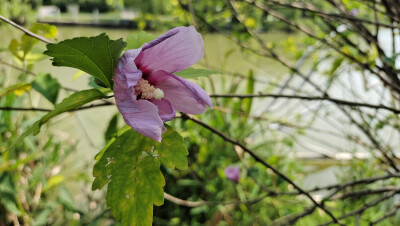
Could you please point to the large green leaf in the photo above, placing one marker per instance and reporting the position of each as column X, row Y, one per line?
column 97, row 56
column 192, row 73
column 135, row 182
column 172, row 151
column 47, row 86
column 130, row 163
column 70, row 103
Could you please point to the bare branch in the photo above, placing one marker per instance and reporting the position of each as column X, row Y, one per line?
column 310, row 98
column 26, row 31
column 260, row 160
column 364, row 207
column 48, row 110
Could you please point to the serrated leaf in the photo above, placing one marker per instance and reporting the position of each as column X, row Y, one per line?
column 137, row 39
column 172, row 151
column 135, row 183
column 135, row 180
column 97, row 56
column 192, row 73
column 47, row 86
column 72, row 102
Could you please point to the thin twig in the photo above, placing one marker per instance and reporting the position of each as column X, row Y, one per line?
column 260, row 160
column 48, row 110
column 26, row 31
column 310, row 98
column 364, row 207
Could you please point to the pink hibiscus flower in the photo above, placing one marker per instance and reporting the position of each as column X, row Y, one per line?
column 147, row 93
column 232, row 173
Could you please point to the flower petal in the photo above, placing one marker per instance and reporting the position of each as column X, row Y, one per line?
column 173, row 51
column 165, row 109
column 184, row 96
column 126, row 74
column 141, row 115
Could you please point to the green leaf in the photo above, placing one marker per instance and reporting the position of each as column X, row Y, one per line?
column 47, row 86
column 112, row 128
column 97, row 56
column 7, row 193
column 53, row 182
column 21, row 49
column 135, row 182
column 137, row 39
column 130, row 163
column 18, row 89
column 192, row 73
column 46, row 30
column 249, row 90
column 70, row 103
column 172, row 151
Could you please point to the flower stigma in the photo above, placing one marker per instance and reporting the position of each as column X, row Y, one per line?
column 147, row 91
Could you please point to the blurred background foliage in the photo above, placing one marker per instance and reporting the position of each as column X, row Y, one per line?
column 45, row 180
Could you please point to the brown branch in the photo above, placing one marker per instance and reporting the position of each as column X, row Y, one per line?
column 364, row 207
column 356, row 182
column 310, row 98
column 260, row 160
column 193, row 204
column 393, row 84
column 292, row 219
column 366, row 192
column 23, row 109
column 48, row 110
column 392, row 212
column 312, row 9
column 26, row 31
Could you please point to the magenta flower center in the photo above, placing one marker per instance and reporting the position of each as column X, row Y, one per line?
column 144, row 90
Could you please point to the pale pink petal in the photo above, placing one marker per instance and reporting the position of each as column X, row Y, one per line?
column 165, row 109
column 184, row 96
column 126, row 74
column 173, row 51
column 141, row 115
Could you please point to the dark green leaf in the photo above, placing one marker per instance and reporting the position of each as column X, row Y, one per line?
column 130, row 163
column 192, row 73
column 172, row 151
column 135, row 182
column 72, row 102
column 112, row 128
column 97, row 56
column 47, row 86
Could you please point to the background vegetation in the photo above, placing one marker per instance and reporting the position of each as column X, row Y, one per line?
column 323, row 96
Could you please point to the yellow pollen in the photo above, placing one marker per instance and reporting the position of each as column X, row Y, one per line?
column 148, row 91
